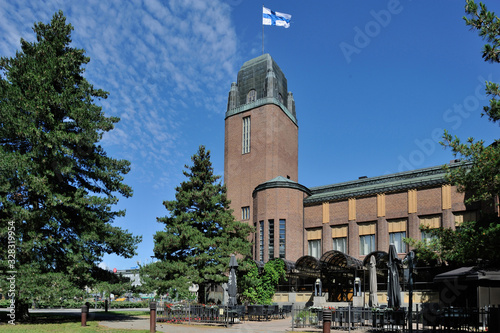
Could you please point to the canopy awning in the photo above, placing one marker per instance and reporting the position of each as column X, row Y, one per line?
column 308, row 265
column 336, row 260
column 469, row 274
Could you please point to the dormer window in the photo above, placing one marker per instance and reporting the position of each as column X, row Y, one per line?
column 251, row 96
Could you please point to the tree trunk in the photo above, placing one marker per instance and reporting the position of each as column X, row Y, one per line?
column 21, row 311
column 203, row 293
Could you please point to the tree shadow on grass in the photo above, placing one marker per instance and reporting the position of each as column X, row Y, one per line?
column 72, row 317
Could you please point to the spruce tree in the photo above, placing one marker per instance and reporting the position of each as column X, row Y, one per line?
column 57, row 184
column 200, row 233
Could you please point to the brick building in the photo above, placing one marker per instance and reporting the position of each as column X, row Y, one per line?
column 292, row 221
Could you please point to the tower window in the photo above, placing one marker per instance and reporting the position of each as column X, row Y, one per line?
column 252, row 96
column 271, row 239
column 261, row 240
column 245, row 213
column 282, row 238
column 245, row 144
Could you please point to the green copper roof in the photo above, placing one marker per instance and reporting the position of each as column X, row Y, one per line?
column 281, row 182
column 263, row 76
column 253, row 73
column 259, row 102
column 402, row 181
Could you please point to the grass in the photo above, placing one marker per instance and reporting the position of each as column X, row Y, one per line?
column 48, row 322
column 129, row 313
column 62, row 327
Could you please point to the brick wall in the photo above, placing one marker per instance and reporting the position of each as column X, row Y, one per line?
column 273, row 152
column 429, row 201
column 396, row 207
column 276, row 204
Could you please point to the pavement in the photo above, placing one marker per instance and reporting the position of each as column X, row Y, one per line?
column 142, row 323
column 250, row 326
column 269, row 326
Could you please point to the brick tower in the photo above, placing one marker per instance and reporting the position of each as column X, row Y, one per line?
column 261, row 144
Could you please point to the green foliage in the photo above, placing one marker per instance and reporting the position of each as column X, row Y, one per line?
column 488, row 26
column 249, row 282
column 57, row 184
column 479, row 174
column 111, row 283
column 463, row 246
column 200, row 233
column 260, row 289
column 77, row 304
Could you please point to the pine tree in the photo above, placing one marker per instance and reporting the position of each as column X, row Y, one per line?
column 200, row 233
column 57, row 184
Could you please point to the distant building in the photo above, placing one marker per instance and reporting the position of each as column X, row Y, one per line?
column 132, row 274
column 291, row 220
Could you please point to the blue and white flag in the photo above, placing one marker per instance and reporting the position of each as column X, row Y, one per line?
column 270, row 17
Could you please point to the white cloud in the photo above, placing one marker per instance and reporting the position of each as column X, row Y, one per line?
column 157, row 59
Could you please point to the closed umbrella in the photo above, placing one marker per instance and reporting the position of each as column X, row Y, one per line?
column 393, row 288
column 231, row 288
column 373, row 281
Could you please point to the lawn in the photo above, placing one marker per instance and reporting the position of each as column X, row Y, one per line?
column 46, row 322
column 62, row 327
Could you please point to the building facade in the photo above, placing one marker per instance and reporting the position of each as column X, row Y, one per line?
column 291, row 220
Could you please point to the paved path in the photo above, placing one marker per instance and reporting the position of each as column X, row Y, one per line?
column 142, row 323
column 271, row 326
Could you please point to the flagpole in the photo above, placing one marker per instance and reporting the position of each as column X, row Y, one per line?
column 262, row 30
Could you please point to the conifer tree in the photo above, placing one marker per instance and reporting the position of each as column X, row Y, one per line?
column 200, row 233
column 57, row 184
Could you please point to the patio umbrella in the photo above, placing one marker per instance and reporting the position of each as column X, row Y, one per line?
column 373, row 281
column 231, row 285
column 393, row 288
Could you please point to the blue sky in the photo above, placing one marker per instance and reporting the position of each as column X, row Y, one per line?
column 375, row 84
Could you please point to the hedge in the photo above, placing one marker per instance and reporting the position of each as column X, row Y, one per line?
column 74, row 304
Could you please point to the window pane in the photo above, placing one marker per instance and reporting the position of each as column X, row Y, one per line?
column 261, row 240
column 315, row 248
column 252, row 96
column 245, row 213
column 340, row 244
column 366, row 244
column 271, row 239
column 245, row 140
column 396, row 239
column 427, row 236
column 282, row 238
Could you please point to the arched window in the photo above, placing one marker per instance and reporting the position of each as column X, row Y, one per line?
column 251, row 96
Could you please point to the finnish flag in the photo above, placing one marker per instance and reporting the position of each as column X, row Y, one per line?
column 270, row 17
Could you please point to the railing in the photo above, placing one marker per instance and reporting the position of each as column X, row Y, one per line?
column 177, row 313
column 423, row 320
